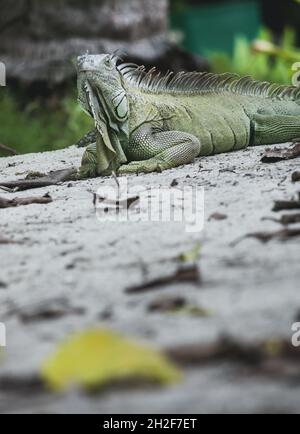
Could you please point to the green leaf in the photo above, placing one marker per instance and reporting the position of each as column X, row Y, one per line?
column 289, row 39
column 192, row 255
column 97, row 358
column 242, row 54
column 262, row 59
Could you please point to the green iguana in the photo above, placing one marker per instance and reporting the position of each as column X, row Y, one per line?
column 146, row 122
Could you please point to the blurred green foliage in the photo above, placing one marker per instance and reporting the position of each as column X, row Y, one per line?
column 262, row 59
column 37, row 126
column 212, row 25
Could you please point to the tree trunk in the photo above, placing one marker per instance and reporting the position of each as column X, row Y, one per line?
column 38, row 40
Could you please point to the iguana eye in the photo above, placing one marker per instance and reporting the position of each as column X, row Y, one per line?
column 107, row 62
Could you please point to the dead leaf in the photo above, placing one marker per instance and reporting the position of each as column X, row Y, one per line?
column 23, row 385
column 227, row 348
column 97, row 358
column 273, row 155
column 218, row 216
column 117, row 204
column 174, row 183
column 282, row 235
column 288, row 219
column 281, row 205
column 8, row 203
column 273, row 357
column 196, row 354
column 8, row 150
column 34, row 175
column 5, row 241
column 188, row 274
column 177, row 305
column 296, row 177
column 228, row 169
column 46, row 311
column 167, row 304
column 53, row 178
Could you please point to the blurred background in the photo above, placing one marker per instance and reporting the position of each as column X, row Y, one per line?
column 39, row 41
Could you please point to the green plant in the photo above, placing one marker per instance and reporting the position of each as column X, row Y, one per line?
column 38, row 127
column 262, row 59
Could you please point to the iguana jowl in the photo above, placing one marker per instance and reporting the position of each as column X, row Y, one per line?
column 146, row 122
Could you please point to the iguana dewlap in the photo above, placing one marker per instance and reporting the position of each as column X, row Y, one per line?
column 146, row 122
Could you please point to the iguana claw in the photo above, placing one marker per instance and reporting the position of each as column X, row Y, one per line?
column 146, row 166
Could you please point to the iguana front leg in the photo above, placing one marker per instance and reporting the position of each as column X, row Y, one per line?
column 88, row 168
column 87, row 139
column 151, row 151
column 97, row 161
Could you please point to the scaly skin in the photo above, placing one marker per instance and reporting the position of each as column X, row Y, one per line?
column 145, row 123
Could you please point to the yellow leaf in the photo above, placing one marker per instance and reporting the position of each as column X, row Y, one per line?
column 192, row 255
column 97, row 358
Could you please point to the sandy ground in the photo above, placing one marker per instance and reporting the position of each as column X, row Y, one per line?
column 79, row 268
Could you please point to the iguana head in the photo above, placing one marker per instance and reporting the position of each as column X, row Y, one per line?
column 102, row 95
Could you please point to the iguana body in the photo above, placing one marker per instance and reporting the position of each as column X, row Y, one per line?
column 147, row 123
